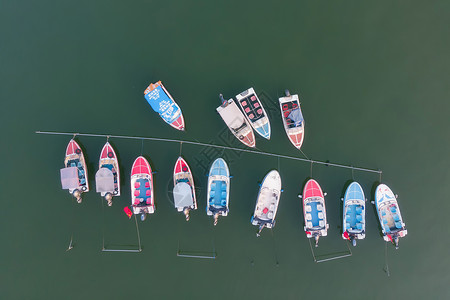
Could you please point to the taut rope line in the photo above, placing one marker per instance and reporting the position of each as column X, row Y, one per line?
column 215, row 146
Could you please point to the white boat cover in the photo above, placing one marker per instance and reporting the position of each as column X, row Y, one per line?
column 69, row 178
column 232, row 116
column 296, row 116
column 104, row 181
column 182, row 194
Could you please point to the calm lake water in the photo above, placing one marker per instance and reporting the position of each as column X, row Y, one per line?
column 373, row 82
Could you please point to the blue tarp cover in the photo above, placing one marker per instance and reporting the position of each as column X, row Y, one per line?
column 162, row 104
column 296, row 116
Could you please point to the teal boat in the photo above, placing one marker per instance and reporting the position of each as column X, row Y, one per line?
column 354, row 218
column 218, row 190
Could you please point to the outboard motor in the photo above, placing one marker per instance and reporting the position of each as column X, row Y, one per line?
column 353, row 241
column 77, row 195
column 186, row 213
column 260, row 229
column 396, row 242
column 316, row 237
column 216, row 218
column 108, row 198
column 287, row 93
column 143, row 216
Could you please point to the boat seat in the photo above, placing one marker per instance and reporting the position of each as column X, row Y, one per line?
column 149, row 201
column 385, row 221
column 213, row 186
column 309, row 224
column 308, row 208
column 393, row 209
column 223, row 202
column 247, row 109
column 348, row 216
column 347, row 226
column 224, row 195
column 321, row 223
column 398, row 225
column 79, row 165
column 137, row 185
column 137, row 201
column 358, row 210
column 270, row 215
column 148, row 193
column 319, row 207
column 136, row 193
column 359, row 225
column 147, row 184
column 272, row 206
column 387, row 229
column 358, row 218
column 211, row 200
column 224, row 187
column 320, row 215
column 308, row 217
column 82, row 181
column 396, row 217
column 256, row 104
column 383, row 213
column 259, row 111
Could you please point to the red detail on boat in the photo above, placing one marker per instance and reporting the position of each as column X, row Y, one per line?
column 256, row 105
column 141, row 166
column 137, row 185
column 137, row 201
column 244, row 103
column 390, row 237
column 136, row 193
column 128, row 211
column 247, row 109
column 312, row 189
column 346, row 235
column 308, row 232
column 149, row 201
column 72, row 147
column 178, row 123
column 148, row 193
column 265, row 210
column 147, row 184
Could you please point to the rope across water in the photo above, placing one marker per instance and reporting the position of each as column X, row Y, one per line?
column 327, row 163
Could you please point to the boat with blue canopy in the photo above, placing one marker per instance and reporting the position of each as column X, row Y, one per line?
column 254, row 112
column 392, row 225
column 267, row 201
column 163, row 103
column 354, row 218
column 218, row 195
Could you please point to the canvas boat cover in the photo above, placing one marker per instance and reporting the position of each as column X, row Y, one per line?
column 162, row 103
column 296, row 116
column 69, row 178
column 182, row 194
column 232, row 116
column 104, row 181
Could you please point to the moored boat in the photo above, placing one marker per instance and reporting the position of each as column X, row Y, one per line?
column 267, row 201
column 74, row 176
column 314, row 211
column 142, row 195
column 254, row 112
column 392, row 225
column 236, row 121
column 163, row 103
column 354, row 213
column 292, row 117
column 218, row 195
column 184, row 188
column 108, row 176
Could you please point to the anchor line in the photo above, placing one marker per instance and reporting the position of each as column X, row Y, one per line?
column 327, row 163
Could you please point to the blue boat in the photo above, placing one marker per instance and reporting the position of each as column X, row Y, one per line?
column 218, row 190
column 392, row 225
column 354, row 218
column 164, row 104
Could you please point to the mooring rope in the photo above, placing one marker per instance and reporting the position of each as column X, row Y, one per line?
column 274, row 248
column 327, row 163
column 386, row 265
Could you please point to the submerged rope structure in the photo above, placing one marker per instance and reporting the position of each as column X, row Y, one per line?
column 311, row 161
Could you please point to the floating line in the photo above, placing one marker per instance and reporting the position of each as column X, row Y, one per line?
column 347, row 254
column 327, row 163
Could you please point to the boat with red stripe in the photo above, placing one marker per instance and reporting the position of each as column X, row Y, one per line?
column 292, row 117
column 184, row 188
column 142, row 195
column 314, row 212
column 74, row 158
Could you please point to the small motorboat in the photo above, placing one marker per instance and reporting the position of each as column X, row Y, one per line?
column 267, row 201
column 293, row 121
column 236, row 121
column 164, row 104
column 142, row 196
column 254, row 112
column 184, row 188
column 354, row 218
column 218, row 190
column 392, row 225
column 314, row 211
column 107, row 177
column 74, row 177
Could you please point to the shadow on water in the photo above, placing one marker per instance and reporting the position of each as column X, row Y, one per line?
column 374, row 210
